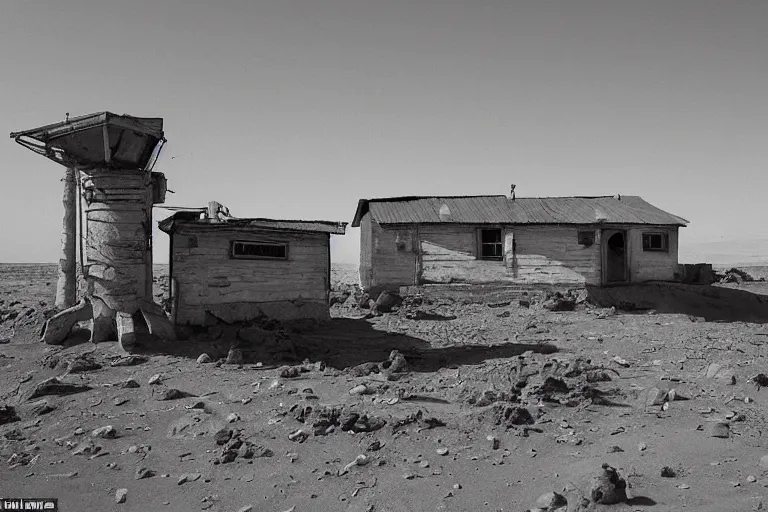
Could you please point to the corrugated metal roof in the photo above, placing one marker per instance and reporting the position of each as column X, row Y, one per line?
column 522, row 210
column 312, row 226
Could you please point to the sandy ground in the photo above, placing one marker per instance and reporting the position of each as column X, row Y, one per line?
column 422, row 437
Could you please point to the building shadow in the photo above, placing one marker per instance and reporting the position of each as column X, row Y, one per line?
column 339, row 343
column 713, row 303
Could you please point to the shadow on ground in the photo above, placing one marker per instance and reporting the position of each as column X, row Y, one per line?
column 713, row 303
column 342, row 343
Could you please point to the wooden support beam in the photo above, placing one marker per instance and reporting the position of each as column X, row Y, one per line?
column 66, row 287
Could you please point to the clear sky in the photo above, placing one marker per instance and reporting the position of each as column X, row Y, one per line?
column 296, row 109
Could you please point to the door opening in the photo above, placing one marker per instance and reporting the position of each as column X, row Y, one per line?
column 614, row 257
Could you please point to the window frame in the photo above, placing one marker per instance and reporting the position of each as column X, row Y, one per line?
column 586, row 232
column 481, row 244
column 234, row 256
column 664, row 241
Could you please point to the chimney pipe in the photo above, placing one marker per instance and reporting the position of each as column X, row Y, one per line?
column 512, row 191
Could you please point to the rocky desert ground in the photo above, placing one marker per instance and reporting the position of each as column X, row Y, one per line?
column 432, row 402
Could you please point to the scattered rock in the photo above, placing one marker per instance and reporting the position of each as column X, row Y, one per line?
column 387, row 301
column 233, row 417
column 188, row 477
column 8, row 415
column 42, row 407
column 127, row 384
column 121, row 495
column 668, row 472
column 155, row 379
column 82, row 364
column 720, row 430
column 608, row 487
column 54, row 386
column 290, row 372
column 235, row 356
column 142, row 473
column 442, row 451
column 132, row 360
column 204, row 358
column 299, row 436
column 223, row 436
column 551, row 501
column 174, row 394
column 106, row 432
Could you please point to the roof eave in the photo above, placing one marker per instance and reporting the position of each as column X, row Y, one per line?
column 362, row 207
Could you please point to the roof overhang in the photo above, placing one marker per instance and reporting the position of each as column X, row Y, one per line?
column 102, row 139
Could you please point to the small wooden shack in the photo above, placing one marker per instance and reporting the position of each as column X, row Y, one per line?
column 406, row 241
column 233, row 269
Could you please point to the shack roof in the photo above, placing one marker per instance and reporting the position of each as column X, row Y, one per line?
column 169, row 224
column 100, row 139
column 522, row 210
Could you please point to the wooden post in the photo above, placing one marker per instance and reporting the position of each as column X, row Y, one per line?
column 66, row 287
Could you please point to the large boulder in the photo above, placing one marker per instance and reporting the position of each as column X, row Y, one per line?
column 388, row 300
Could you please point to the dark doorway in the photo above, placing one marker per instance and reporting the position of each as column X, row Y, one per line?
column 614, row 256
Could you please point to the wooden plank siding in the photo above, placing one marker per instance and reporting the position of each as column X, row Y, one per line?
column 543, row 254
column 366, row 251
column 652, row 265
column 394, row 256
column 208, row 279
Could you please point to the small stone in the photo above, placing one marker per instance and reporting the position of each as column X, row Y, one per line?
column 246, row 508
column 361, row 389
column 614, row 449
column 424, row 464
column 233, row 417
column 655, row 396
column 683, row 486
column 155, row 379
column 457, row 486
column 720, row 430
column 204, row 358
column 188, row 477
column 223, row 436
column 442, row 451
column 751, row 479
column 106, row 432
column 79, row 431
column 642, row 447
column 142, row 473
column 551, row 501
column 121, row 495
column 174, row 394
column 668, row 472
column 120, row 400
column 235, row 356
column 764, row 461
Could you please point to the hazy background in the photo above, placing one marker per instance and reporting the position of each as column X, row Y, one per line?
column 296, row 109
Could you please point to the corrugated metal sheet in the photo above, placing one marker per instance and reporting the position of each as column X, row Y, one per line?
column 524, row 210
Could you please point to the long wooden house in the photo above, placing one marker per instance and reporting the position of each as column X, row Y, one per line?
column 235, row 269
column 406, row 241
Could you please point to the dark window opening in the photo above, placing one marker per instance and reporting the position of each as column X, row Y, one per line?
column 655, row 242
column 491, row 246
column 586, row 238
column 259, row 250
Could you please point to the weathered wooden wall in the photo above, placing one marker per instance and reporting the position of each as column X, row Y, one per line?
column 652, row 265
column 543, row 254
column 394, row 257
column 208, row 279
column 366, row 248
